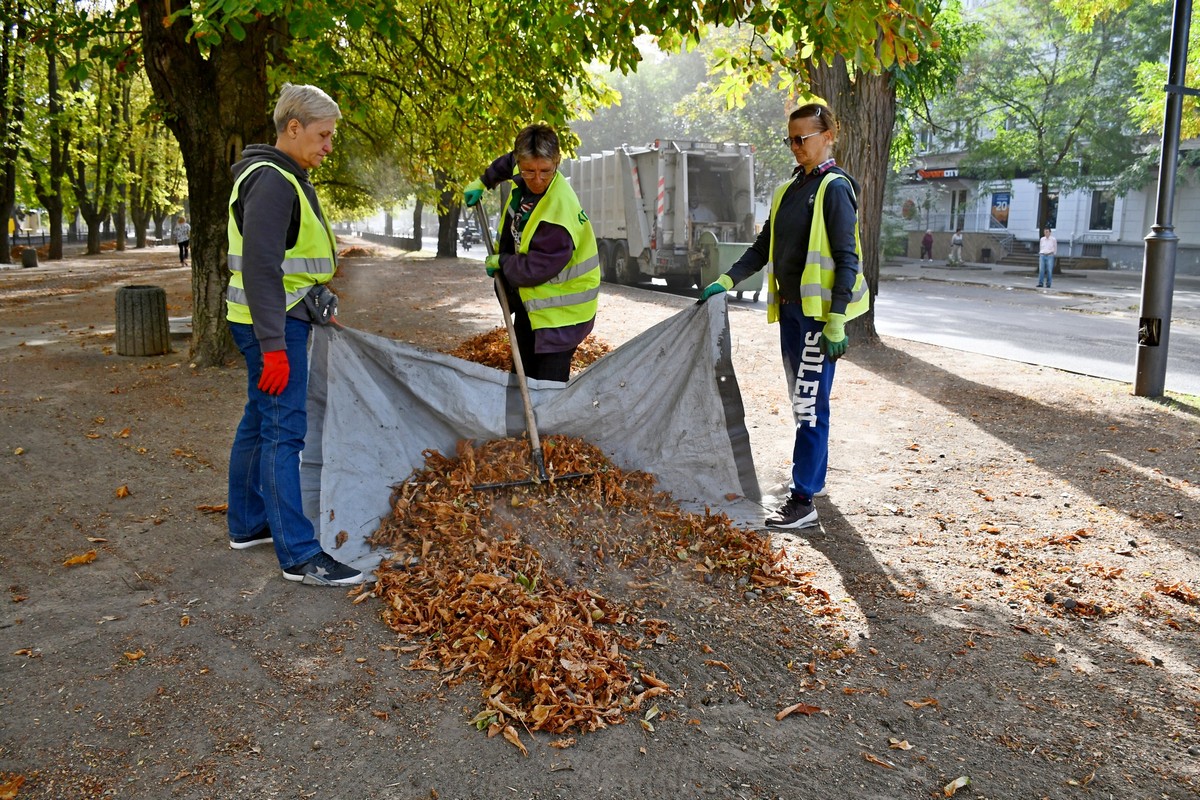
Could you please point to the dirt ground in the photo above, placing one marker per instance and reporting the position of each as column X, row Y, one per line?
column 1012, row 551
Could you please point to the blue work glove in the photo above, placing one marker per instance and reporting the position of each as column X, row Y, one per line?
column 721, row 284
column 834, row 340
column 492, row 264
column 473, row 192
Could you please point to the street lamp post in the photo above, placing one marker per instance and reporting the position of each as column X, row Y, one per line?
column 1158, row 270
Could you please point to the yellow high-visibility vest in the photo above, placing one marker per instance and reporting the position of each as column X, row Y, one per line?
column 310, row 261
column 572, row 296
column 816, row 281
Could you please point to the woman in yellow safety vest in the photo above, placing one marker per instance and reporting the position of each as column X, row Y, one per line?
column 547, row 254
column 280, row 248
column 810, row 246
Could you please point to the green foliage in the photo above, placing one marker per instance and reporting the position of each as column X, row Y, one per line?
column 935, row 74
column 1038, row 96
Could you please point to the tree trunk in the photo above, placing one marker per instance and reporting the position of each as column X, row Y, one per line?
column 387, row 223
column 49, row 194
column 12, row 113
column 416, row 237
column 447, row 242
column 865, row 108
column 218, row 104
column 119, row 218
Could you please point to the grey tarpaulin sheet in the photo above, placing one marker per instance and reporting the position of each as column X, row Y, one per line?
column 666, row 402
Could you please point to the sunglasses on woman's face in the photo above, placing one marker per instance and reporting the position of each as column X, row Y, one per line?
column 788, row 141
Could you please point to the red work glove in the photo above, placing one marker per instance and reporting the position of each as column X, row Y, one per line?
column 275, row 372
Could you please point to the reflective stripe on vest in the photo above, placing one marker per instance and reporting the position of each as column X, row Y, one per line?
column 572, row 296
column 310, row 261
column 816, row 281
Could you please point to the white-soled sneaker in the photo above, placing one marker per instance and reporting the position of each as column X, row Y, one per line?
column 324, row 570
column 793, row 514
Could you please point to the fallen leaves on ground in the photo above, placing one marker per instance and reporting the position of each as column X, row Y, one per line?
column 10, row 787
column 499, row 580
column 355, row 251
column 953, row 786
column 798, row 708
column 492, row 350
column 1180, row 591
column 82, row 558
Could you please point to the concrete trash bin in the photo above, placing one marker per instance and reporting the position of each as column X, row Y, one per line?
column 142, row 325
column 28, row 258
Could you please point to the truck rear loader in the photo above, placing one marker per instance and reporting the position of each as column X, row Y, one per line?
column 678, row 210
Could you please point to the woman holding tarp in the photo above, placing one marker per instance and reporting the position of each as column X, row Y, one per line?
column 810, row 247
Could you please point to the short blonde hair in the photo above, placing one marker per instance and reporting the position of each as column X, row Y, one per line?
column 305, row 104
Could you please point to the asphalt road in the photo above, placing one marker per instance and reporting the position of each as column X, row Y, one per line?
column 1091, row 334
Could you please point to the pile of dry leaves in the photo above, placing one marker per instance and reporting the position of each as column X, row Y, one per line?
column 506, row 584
column 357, row 251
column 492, row 350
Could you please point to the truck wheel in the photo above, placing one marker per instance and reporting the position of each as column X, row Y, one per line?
column 680, row 282
column 607, row 273
column 625, row 267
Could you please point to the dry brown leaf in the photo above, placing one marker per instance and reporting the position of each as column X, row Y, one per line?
column 928, row 701
column 899, row 744
column 563, row 744
column 96, row 539
column 798, row 708
column 879, row 761
column 184, row 621
column 510, row 733
column 136, row 655
column 214, row 508
column 9, row 789
column 122, row 491
column 651, row 680
column 953, row 786
column 82, row 558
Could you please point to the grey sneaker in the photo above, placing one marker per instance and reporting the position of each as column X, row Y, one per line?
column 323, row 570
column 254, row 540
column 795, row 513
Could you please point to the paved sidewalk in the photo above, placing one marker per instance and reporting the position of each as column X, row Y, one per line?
column 1124, row 286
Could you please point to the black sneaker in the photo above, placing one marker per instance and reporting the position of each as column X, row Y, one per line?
column 795, row 513
column 323, row 570
column 255, row 539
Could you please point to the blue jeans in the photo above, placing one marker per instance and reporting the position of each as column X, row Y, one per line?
column 1045, row 268
column 264, row 464
column 810, row 379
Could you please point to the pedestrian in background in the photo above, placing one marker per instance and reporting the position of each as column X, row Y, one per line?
column 927, row 246
column 280, row 248
column 1047, row 250
column 182, row 236
column 547, row 254
column 811, row 248
column 956, row 244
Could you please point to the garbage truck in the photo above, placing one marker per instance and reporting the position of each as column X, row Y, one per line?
column 678, row 210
